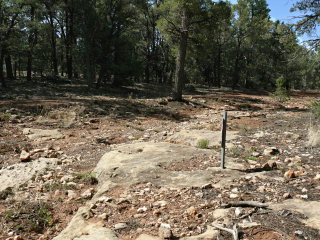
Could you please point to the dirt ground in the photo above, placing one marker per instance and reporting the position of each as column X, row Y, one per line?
column 94, row 121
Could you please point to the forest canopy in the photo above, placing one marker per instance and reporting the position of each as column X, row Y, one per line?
column 173, row 42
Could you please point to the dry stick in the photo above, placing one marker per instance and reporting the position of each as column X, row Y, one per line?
column 233, row 231
column 245, row 204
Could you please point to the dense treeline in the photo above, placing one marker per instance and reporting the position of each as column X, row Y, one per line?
column 162, row 41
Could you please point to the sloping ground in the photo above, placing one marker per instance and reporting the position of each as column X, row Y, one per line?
column 128, row 168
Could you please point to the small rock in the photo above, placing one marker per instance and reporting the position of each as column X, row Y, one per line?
column 234, row 190
column 246, row 225
column 66, row 178
column 88, row 214
column 104, row 199
column 255, row 154
column 165, row 233
column 120, row 226
column 25, row 156
column 286, row 195
column 289, row 174
column 103, row 216
column 304, row 196
column 192, row 211
column 160, row 203
column 298, row 232
column 271, row 151
column 261, row 189
column 304, row 190
column 233, row 195
column 238, row 211
column 71, row 194
column 142, row 209
column 317, row 177
column 270, row 165
column 88, row 193
column 207, row 186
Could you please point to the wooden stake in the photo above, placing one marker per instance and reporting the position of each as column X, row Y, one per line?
column 223, row 138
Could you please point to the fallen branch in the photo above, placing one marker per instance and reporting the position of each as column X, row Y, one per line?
column 233, row 231
column 245, row 204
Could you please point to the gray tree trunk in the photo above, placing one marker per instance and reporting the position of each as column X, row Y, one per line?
column 181, row 58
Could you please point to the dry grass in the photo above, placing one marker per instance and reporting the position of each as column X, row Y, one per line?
column 313, row 137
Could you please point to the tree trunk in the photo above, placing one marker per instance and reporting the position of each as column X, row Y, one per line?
column 31, row 41
column 116, row 74
column 15, row 66
column 9, row 67
column 53, row 45
column 69, row 37
column 29, row 66
column 180, row 62
column 3, row 83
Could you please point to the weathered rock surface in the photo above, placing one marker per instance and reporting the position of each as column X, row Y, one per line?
column 41, row 134
column 311, row 209
column 192, row 137
column 17, row 174
column 136, row 163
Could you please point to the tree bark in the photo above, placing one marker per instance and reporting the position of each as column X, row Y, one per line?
column 31, row 41
column 69, row 37
column 9, row 67
column 2, row 80
column 53, row 45
column 180, row 61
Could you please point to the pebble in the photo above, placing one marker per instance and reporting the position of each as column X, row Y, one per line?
column 142, row 209
column 103, row 216
column 25, row 156
column 271, row 151
column 271, row 164
column 165, row 233
column 87, row 194
column 289, row 174
column 233, row 195
column 238, row 211
column 317, row 177
column 71, row 194
column 286, row 195
column 192, row 211
column 120, row 226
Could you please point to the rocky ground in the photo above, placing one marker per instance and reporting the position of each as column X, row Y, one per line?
column 131, row 164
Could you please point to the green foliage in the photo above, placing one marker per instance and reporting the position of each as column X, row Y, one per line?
column 4, row 194
column 315, row 107
column 51, row 187
column 29, row 217
column 203, row 143
column 86, row 178
column 281, row 93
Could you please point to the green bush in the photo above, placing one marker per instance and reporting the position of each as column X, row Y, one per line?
column 203, row 143
column 315, row 107
column 281, row 94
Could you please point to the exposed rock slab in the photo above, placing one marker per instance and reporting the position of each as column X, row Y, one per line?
column 144, row 162
column 193, row 136
column 311, row 209
column 42, row 134
column 17, row 174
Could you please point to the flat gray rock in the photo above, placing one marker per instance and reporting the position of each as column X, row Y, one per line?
column 17, row 174
column 42, row 134
column 193, row 136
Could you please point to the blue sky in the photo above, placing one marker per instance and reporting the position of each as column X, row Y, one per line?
column 280, row 10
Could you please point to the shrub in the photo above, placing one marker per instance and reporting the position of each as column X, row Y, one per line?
column 203, row 143
column 281, row 94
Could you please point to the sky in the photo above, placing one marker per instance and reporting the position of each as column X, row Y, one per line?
column 280, row 10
